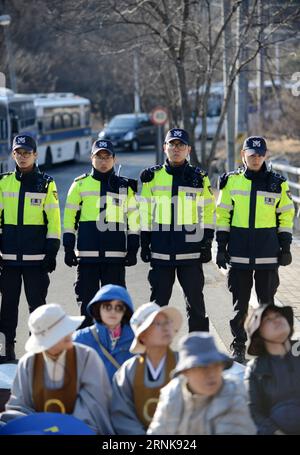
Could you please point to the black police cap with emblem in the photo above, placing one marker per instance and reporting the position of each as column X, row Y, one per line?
column 255, row 144
column 101, row 144
column 23, row 141
column 177, row 133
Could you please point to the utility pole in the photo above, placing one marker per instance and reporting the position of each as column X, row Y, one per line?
column 241, row 88
column 229, row 119
column 5, row 21
column 260, row 68
column 137, row 105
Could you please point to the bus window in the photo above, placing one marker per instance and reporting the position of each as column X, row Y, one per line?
column 86, row 115
column 67, row 121
column 56, row 122
column 76, row 119
column 14, row 125
column 3, row 129
column 40, row 126
column 47, row 123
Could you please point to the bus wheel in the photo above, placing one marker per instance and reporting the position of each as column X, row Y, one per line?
column 48, row 159
column 77, row 153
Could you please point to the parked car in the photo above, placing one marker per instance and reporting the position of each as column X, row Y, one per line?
column 130, row 131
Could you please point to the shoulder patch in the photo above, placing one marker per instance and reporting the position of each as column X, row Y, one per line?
column 224, row 177
column 80, row 177
column 5, row 173
column 133, row 183
column 148, row 174
column 124, row 182
column 194, row 176
column 223, row 180
column 200, row 171
column 274, row 182
column 278, row 177
column 47, row 177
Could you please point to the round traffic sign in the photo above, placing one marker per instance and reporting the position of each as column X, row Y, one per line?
column 159, row 115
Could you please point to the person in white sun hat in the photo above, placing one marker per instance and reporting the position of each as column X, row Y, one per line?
column 57, row 375
column 137, row 384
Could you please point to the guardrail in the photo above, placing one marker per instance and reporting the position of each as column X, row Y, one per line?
column 292, row 174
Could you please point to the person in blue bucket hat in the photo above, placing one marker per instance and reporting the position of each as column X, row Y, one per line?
column 47, row 424
column 199, row 400
column 111, row 335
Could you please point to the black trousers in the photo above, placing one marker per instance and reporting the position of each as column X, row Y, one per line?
column 89, row 277
column 191, row 279
column 36, row 283
column 240, row 283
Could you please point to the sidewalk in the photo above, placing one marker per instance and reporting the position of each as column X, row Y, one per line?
column 288, row 293
column 289, row 290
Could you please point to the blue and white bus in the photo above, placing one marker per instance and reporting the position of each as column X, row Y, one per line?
column 63, row 127
column 17, row 115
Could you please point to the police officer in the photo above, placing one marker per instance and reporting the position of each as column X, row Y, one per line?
column 177, row 209
column 101, row 208
column 254, row 232
column 30, row 236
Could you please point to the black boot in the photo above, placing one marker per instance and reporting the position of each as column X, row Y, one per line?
column 238, row 352
column 10, row 352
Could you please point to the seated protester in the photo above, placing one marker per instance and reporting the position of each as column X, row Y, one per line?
column 57, row 375
column 137, row 383
column 111, row 335
column 199, row 400
column 273, row 377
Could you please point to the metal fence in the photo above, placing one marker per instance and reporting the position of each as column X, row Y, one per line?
column 292, row 174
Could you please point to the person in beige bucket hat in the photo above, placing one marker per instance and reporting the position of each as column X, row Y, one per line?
column 273, row 377
column 137, row 384
column 58, row 375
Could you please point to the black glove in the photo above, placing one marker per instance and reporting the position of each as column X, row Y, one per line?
column 130, row 259
column 146, row 254
column 49, row 263
column 222, row 259
column 70, row 258
column 285, row 257
column 205, row 251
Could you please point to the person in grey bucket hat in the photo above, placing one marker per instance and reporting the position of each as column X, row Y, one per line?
column 272, row 378
column 199, row 400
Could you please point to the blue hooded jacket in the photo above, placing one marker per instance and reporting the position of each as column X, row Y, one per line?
column 121, row 349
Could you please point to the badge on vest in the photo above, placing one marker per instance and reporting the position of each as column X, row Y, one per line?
column 117, row 201
column 34, row 201
column 270, row 200
column 191, row 196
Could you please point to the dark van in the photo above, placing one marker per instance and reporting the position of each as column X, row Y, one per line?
column 130, row 131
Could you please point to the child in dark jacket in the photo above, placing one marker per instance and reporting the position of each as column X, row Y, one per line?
column 111, row 334
column 273, row 377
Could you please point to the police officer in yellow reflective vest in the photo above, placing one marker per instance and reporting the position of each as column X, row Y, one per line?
column 30, row 236
column 101, row 208
column 177, row 227
column 254, row 231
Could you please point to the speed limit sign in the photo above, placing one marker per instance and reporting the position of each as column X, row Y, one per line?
column 159, row 115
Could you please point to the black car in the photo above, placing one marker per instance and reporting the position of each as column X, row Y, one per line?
column 130, row 131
